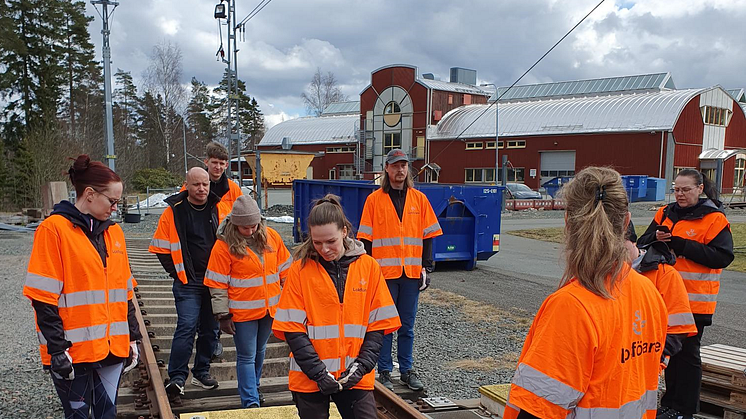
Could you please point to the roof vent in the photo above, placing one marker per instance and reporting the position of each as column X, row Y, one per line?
column 428, row 76
column 286, row 143
column 463, row 75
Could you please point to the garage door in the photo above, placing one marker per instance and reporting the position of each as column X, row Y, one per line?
column 557, row 163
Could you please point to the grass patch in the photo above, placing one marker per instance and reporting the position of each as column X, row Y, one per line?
column 556, row 235
column 507, row 361
column 477, row 312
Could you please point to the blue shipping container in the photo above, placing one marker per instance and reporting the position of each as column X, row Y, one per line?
column 468, row 214
column 656, row 189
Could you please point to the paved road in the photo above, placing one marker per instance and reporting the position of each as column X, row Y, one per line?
column 525, row 271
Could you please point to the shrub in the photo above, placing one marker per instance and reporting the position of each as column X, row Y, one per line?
column 154, row 178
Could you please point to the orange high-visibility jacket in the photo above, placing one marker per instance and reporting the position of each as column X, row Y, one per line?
column 590, row 357
column 701, row 282
column 253, row 286
column 397, row 244
column 166, row 240
column 671, row 287
column 66, row 271
column 226, row 201
column 310, row 304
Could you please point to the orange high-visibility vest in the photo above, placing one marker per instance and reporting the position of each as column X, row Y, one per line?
column 590, row 357
column 310, row 304
column 253, row 286
column 671, row 287
column 226, row 201
column 397, row 244
column 701, row 282
column 166, row 240
column 66, row 271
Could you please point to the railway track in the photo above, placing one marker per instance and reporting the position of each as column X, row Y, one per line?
column 142, row 392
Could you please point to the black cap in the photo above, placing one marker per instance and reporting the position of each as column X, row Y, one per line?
column 396, row 155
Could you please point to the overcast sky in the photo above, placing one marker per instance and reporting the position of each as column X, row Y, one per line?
column 701, row 42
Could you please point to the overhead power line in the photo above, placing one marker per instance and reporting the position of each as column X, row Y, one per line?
column 262, row 4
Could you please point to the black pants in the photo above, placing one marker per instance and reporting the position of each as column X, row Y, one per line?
column 684, row 373
column 352, row 404
column 91, row 394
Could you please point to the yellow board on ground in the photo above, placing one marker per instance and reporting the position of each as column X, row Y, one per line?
column 494, row 397
column 277, row 412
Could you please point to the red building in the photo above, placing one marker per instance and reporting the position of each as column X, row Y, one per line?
column 639, row 125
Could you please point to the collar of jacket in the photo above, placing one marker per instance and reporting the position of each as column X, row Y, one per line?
column 90, row 225
column 173, row 200
column 703, row 207
column 221, row 186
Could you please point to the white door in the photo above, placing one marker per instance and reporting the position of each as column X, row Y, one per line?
column 556, row 163
column 309, row 172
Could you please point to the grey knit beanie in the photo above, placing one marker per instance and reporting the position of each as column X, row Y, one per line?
column 245, row 212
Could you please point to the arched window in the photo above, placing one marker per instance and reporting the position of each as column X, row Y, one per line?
column 392, row 114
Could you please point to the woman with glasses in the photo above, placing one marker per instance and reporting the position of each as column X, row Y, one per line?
column 81, row 288
column 698, row 233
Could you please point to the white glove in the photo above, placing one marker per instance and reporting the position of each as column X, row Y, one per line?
column 132, row 360
column 424, row 280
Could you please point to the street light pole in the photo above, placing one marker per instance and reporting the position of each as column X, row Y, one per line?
column 106, row 55
column 183, row 130
column 497, row 145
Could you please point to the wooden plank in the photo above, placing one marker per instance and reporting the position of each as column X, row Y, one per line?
column 730, row 414
column 717, row 353
column 737, row 360
column 728, row 348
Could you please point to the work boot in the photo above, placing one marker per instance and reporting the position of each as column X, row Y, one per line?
column 673, row 414
column 385, row 378
column 411, row 380
column 661, row 412
column 206, row 381
column 175, row 387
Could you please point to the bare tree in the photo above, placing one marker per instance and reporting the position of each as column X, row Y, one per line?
column 322, row 91
column 163, row 77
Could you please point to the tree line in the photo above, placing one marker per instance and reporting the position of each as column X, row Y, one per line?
column 51, row 91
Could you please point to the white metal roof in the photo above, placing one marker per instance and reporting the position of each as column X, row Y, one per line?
column 737, row 94
column 650, row 111
column 715, row 154
column 453, row 87
column 342, row 108
column 313, row 130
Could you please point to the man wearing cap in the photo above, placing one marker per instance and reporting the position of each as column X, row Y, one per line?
column 397, row 227
column 182, row 241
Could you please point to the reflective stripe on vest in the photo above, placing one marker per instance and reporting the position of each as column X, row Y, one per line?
column 382, row 313
column 285, row 265
column 365, row 229
column 703, row 297
column 85, row 334
column 633, row 409
column 393, row 241
column 681, row 319
column 290, row 315
column 355, row 331
column 166, row 245
column 699, row 276
column 253, row 304
column 217, row 277
column 431, row 229
column 44, row 283
column 397, row 261
column 82, row 298
column 130, row 283
column 323, row 332
column 546, row 387
column 332, row 365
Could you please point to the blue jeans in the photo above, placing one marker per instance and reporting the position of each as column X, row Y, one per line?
column 406, row 293
column 194, row 315
column 251, row 341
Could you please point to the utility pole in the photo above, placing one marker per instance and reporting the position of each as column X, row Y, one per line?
column 234, row 100
column 106, row 53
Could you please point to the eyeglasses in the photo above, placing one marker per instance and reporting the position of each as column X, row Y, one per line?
column 112, row 201
column 684, row 190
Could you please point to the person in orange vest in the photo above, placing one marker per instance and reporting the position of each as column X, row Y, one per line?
column 595, row 345
column 182, row 241
column 81, row 288
column 698, row 233
column 397, row 227
column 334, row 312
column 655, row 261
column 247, row 266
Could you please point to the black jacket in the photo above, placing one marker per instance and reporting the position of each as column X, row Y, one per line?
column 304, row 352
column 48, row 316
column 717, row 254
column 177, row 203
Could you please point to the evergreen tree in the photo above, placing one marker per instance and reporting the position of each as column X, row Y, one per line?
column 21, row 182
column 198, row 117
column 129, row 151
column 250, row 118
column 151, row 120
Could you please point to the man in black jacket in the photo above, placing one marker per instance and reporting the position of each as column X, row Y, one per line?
column 194, row 217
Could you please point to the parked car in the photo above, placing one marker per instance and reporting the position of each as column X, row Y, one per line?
column 521, row 191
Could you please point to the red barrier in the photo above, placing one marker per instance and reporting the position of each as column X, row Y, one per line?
column 510, row 204
column 523, row 204
column 558, row 204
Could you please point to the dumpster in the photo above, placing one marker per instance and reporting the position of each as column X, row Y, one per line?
column 552, row 186
column 636, row 186
column 468, row 214
column 656, row 190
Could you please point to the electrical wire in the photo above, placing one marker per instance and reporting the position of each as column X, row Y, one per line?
column 458, row 137
column 262, row 4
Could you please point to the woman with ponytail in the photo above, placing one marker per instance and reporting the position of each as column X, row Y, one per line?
column 698, row 233
column 333, row 313
column 595, row 345
column 81, row 288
